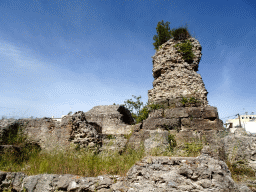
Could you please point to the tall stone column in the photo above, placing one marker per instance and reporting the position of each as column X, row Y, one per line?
column 176, row 79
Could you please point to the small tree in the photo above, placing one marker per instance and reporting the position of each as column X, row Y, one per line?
column 70, row 112
column 134, row 106
column 163, row 34
column 141, row 111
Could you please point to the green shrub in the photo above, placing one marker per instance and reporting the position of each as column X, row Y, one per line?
column 128, row 136
column 192, row 100
column 143, row 114
column 14, row 135
column 186, row 49
column 164, row 34
column 141, row 111
column 134, row 106
column 110, row 136
column 180, row 33
column 184, row 100
column 155, row 106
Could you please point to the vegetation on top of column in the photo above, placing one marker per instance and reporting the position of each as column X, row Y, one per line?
column 186, row 49
column 164, row 34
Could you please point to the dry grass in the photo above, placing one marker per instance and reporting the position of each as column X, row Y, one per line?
column 83, row 162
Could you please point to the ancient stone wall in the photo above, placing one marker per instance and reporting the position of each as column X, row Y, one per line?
column 186, row 123
column 103, row 128
column 44, row 131
column 115, row 121
column 174, row 78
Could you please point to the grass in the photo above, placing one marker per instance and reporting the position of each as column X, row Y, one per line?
column 240, row 171
column 83, row 162
column 194, row 148
column 32, row 161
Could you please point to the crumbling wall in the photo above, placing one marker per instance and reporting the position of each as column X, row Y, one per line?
column 103, row 128
column 114, row 119
column 116, row 122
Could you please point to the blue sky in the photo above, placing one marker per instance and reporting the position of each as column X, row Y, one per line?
column 58, row 56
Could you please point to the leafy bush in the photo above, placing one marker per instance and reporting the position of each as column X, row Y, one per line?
column 14, row 135
column 134, row 106
column 138, row 111
column 128, row 136
column 155, row 106
column 22, row 150
column 186, row 49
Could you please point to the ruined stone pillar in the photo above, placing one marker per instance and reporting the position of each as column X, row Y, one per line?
column 175, row 78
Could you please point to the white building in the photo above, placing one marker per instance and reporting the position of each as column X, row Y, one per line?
column 58, row 119
column 248, row 122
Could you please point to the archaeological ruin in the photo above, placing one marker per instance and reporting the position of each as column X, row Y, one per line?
column 180, row 90
column 183, row 115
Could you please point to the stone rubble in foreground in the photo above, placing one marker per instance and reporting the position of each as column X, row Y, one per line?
column 152, row 173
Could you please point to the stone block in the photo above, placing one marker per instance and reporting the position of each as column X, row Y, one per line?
column 174, row 103
column 201, row 124
column 137, row 137
column 162, row 123
column 175, row 113
column 156, row 113
column 210, row 112
column 163, row 102
column 113, row 143
column 109, row 117
column 158, row 140
column 194, row 112
column 136, row 127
